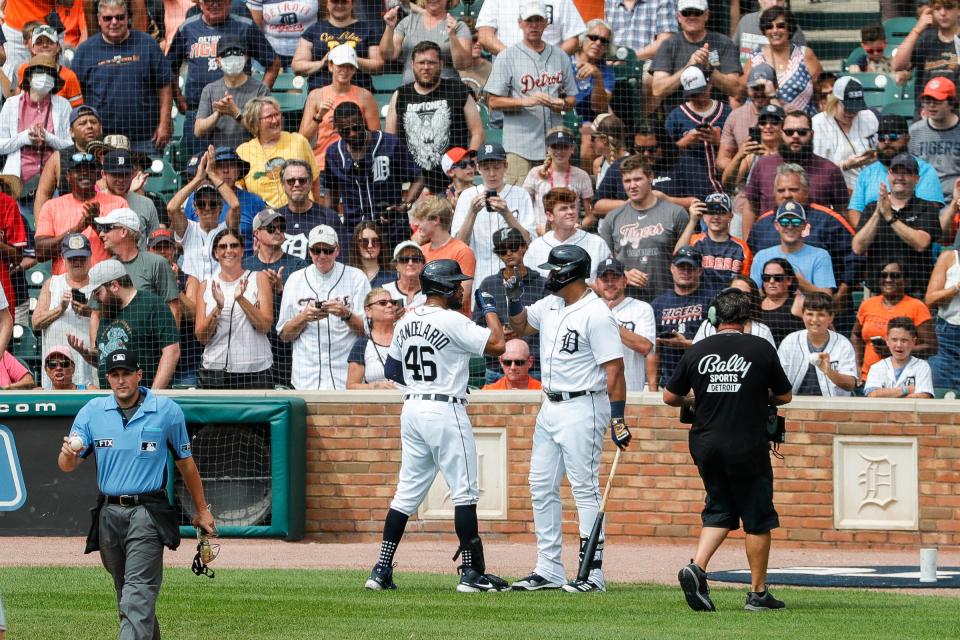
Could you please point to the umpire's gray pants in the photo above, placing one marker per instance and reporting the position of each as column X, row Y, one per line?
column 131, row 551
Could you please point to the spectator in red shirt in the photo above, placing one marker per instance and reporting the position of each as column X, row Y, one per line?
column 13, row 233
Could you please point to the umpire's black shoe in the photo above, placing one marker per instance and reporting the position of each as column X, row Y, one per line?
column 381, row 578
column 693, row 581
column 534, row 582
column 472, row 581
column 763, row 601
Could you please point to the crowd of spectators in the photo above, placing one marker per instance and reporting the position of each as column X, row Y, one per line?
column 291, row 245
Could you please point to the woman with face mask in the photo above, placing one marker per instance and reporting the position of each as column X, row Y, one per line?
column 34, row 123
column 221, row 102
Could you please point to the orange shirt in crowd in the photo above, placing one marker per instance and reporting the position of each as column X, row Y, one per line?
column 71, row 85
column 59, row 215
column 874, row 316
column 590, row 9
column 463, row 254
column 501, row 385
column 19, row 12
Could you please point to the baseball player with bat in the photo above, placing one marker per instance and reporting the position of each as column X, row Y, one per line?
column 581, row 358
column 430, row 356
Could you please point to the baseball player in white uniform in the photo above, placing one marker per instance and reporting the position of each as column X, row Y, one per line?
column 901, row 375
column 321, row 313
column 638, row 326
column 430, row 355
column 560, row 205
column 581, row 363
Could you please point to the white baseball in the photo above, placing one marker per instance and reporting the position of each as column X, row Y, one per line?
column 76, row 443
column 880, row 81
column 815, row 359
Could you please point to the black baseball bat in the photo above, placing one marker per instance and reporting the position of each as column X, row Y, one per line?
column 590, row 550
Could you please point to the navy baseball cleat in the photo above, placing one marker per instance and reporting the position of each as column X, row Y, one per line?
column 472, row 581
column 693, row 581
column 534, row 582
column 381, row 578
column 763, row 601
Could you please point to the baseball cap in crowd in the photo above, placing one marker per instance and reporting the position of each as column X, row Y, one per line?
column 760, row 74
column 560, row 136
column 11, row 185
column 159, row 236
column 122, row 216
column 849, row 91
column 492, row 151
column 406, row 244
column 118, row 162
column 611, row 265
column 106, row 271
column 891, row 123
column 940, row 89
column 718, row 202
column 322, row 234
column 59, row 350
column 230, row 44
column 44, row 31
column 791, row 209
column 687, row 255
column 75, row 245
column 205, row 188
column 693, row 80
column 265, row 217
column 344, row 54
column 771, row 112
column 692, row 4
column 453, row 156
column 229, row 154
column 507, row 237
column 530, row 8
column 190, row 169
column 122, row 359
column 83, row 110
column 905, row 161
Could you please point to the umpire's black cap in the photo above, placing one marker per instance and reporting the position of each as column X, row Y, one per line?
column 122, row 359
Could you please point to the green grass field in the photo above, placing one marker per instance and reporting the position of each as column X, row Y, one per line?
column 61, row 603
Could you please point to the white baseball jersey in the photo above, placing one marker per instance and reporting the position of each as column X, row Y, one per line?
column 320, row 351
column 882, row 375
column 540, row 248
column 794, row 352
column 563, row 21
column 198, row 250
column 419, row 299
column 434, row 346
column 574, row 342
column 636, row 316
column 756, row 329
column 481, row 241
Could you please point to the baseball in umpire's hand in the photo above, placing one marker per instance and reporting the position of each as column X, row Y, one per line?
column 619, row 433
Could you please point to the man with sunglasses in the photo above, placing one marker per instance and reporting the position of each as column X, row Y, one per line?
column 695, row 46
column 827, row 185
column 724, row 255
column 516, row 363
column 893, row 138
column 460, row 166
column 74, row 213
column 321, row 314
column 900, row 227
column 497, row 25
column 301, row 213
column 85, row 128
column 812, row 265
column 125, row 77
column 118, row 175
column 510, row 246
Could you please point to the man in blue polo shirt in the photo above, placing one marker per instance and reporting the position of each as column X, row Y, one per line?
column 131, row 432
column 124, row 76
column 196, row 44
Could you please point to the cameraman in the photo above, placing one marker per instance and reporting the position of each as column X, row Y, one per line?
column 734, row 377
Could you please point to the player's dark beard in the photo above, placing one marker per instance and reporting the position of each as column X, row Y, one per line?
column 796, row 157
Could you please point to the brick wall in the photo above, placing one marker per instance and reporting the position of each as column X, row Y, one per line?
column 353, row 455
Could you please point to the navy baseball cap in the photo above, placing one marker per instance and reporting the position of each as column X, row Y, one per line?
column 507, row 236
column 771, row 112
column 118, row 161
column 190, row 169
column 791, row 209
column 122, row 359
column 892, row 123
column 687, row 255
column 905, row 161
column 228, row 154
column 230, row 43
column 492, row 151
column 849, row 91
column 761, row 74
column 83, row 110
column 718, row 202
column 611, row 265
column 75, row 245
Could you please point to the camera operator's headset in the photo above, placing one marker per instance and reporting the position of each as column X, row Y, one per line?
column 712, row 310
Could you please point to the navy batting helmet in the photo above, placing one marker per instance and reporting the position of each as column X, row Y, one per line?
column 442, row 278
column 566, row 263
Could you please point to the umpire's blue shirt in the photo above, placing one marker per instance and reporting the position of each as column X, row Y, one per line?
column 132, row 458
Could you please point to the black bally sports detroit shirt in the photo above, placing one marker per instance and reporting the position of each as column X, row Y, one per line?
column 731, row 375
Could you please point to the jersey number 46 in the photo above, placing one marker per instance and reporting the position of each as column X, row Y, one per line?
column 420, row 364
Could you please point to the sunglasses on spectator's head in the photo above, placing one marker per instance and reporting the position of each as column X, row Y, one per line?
column 327, row 251
column 592, row 37
column 790, row 222
column 774, row 277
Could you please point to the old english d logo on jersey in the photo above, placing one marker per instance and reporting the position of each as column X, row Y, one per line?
column 570, row 343
column 726, row 376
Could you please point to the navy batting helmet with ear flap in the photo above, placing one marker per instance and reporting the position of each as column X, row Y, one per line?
column 566, row 263
column 442, row 278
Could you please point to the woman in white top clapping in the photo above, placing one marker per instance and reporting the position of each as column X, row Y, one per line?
column 942, row 296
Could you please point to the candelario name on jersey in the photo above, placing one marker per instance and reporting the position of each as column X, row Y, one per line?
column 425, row 330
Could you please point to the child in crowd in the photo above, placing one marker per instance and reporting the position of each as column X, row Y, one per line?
column 901, row 375
column 818, row 361
column 873, row 39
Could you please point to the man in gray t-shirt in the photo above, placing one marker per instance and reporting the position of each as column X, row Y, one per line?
column 222, row 101
column 936, row 138
column 118, row 174
column 533, row 83
column 643, row 233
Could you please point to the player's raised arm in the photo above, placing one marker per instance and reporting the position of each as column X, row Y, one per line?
column 516, row 312
column 496, row 344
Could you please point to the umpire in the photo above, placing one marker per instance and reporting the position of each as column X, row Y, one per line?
column 734, row 378
column 131, row 432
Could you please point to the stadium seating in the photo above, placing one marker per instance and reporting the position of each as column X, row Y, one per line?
column 905, row 108
column 878, row 89
column 898, row 28
column 387, row 82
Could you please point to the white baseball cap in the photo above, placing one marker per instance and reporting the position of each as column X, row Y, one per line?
column 322, row 234
column 406, row 244
column 530, row 8
column 122, row 216
column 693, row 80
column 692, row 4
column 106, row 271
column 344, row 54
